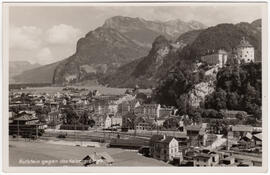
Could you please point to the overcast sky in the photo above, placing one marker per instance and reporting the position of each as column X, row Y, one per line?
column 48, row 34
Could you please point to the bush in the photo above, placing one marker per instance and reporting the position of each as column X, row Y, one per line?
column 211, row 113
column 61, row 136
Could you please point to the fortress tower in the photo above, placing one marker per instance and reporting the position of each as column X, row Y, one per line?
column 245, row 51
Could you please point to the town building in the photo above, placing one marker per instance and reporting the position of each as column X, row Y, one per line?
column 227, row 161
column 197, row 135
column 107, row 121
column 128, row 120
column 206, row 159
column 26, row 118
column 25, row 124
column 128, row 106
column 53, row 120
column 97, row 158
column 234, row 114
column 103, row 107
column 151, row 110
column 117, row 120
column 245, row 51
column 163, row 147
column 54, row 106
column 143, row 126
column 241, row 130
column 218, row 57
column 258, row 139
column 165, row 111
column 98, row 119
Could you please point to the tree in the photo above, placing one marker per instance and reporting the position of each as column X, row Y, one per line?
column 90, row 94
column 210, row 113
column 142, row 96
column 84, row 118
column 70, row 116
column 220, row 99
column 183, row 104
column 91, row 123
column 195, row 114
column 217, row 100
column 232, row 100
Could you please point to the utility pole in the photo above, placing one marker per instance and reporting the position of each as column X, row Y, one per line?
column 135, row 128
column 228, row 142
column 18, row 130
column 36, row 131
column 75, row 132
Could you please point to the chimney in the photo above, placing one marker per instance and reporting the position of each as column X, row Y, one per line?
column 164, row 137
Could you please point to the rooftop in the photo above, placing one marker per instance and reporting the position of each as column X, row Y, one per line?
column 26, row 118
column 203, row 155
column 244, row 43
column 246, row 128
column 161, row 139
column 258, row 136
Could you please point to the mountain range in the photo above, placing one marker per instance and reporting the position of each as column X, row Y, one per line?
column 144, row 32
column 166, row 56
column 125, row 51
column 118, row 41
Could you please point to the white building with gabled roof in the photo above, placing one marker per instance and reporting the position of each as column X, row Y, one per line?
column 218, row 57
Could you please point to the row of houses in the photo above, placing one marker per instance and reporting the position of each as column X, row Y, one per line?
column 170, row 149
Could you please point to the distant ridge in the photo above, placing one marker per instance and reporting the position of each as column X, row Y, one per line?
column 118, row 41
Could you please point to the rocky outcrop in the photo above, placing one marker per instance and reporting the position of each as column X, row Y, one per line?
column 199, row 92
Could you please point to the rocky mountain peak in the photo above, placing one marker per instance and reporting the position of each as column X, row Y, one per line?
column 175, row 22
column 122, row 21
column 160, row 42
column 196, row 25
column 103, row 37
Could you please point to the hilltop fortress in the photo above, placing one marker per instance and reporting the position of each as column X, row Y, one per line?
column 243, row 53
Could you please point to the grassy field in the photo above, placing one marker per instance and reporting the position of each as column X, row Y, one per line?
column 23, row 153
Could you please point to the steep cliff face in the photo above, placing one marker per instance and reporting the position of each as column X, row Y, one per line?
column 199, row 92
column 148, row 70
column 100, row 51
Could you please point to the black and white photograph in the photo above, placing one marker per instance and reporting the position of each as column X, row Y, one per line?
column 98, row 86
